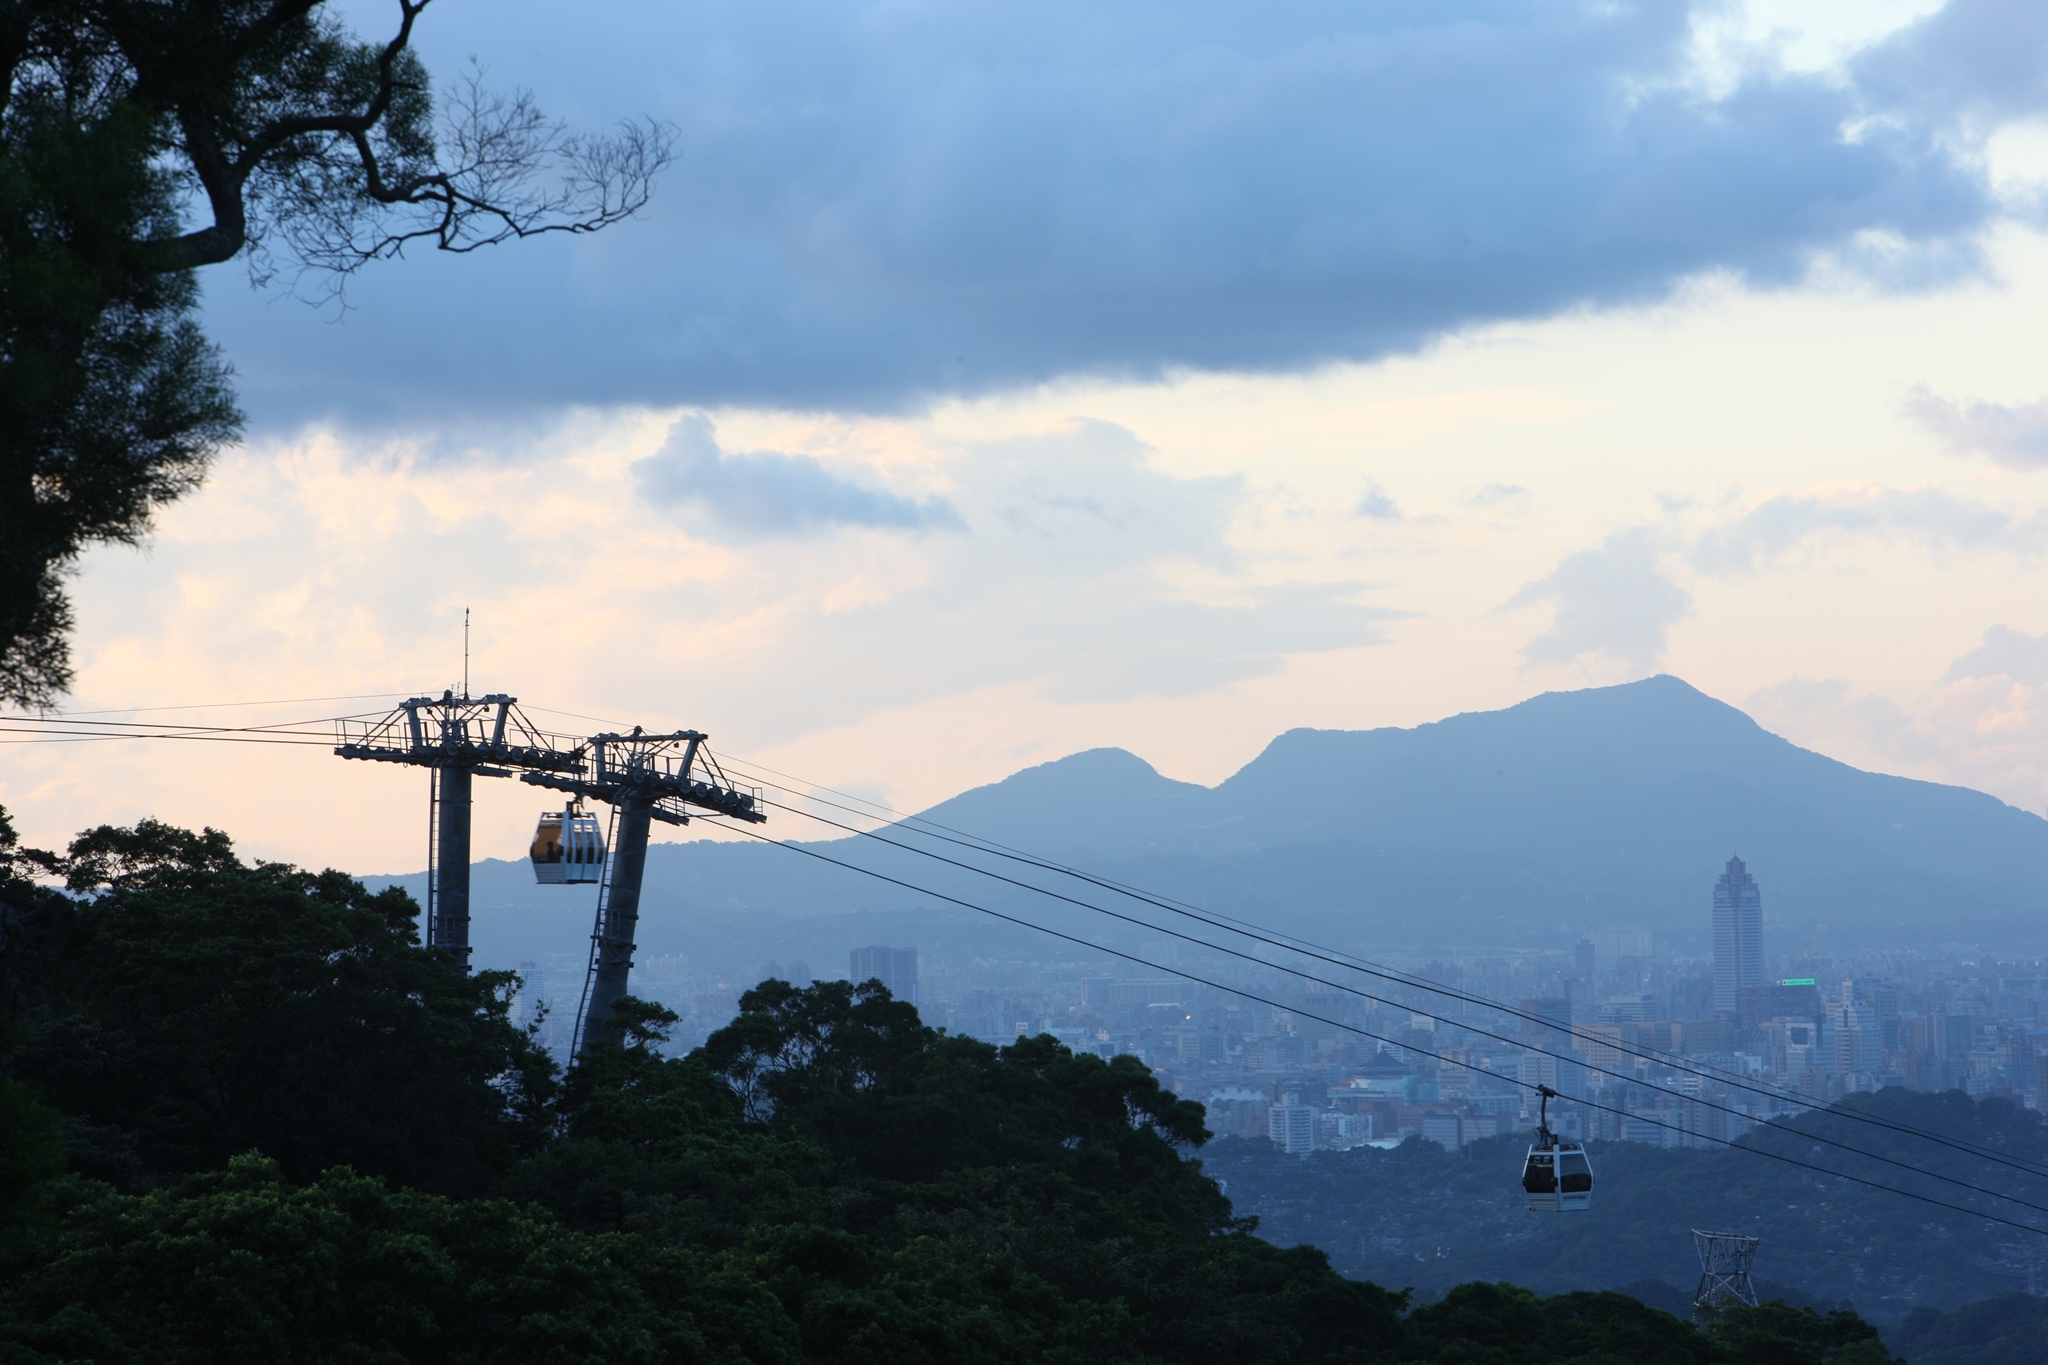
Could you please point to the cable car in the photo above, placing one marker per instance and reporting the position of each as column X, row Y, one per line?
column 568, row 846
column 1557, row 1176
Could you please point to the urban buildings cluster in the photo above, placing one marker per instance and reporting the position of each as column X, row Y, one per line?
column 1640, row 1046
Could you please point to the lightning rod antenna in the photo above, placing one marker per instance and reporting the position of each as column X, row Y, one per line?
column 465, row 651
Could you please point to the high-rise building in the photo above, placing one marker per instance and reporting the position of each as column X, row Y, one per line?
column 1738, row 937
column 895, row 968
column 1292, row 1127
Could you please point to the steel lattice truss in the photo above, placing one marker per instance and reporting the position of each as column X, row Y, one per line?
column 673, row 773
column 489, row 735
column 1725, row 1259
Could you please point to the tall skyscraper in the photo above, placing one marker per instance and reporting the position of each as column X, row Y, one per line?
column 895, row 968
column 1738, row 937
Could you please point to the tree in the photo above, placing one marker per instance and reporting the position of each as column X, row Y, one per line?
column 314, row 154
column 183, row 1007
column 239, row 1266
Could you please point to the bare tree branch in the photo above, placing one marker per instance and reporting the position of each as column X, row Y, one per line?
column 346, row 169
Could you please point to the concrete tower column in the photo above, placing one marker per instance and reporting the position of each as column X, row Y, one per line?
column 621, row 914
column 450, row 929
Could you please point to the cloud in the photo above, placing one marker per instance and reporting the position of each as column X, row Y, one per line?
column 1612, row 601
column 1091, row 575
column 1075, row 582
column 1772, row 529
column 2005, row 653
column 1499, row 495
column 2013, row 436
column 1986, row 732
column 1377, row 506
column 767, row 493
column 879, row 204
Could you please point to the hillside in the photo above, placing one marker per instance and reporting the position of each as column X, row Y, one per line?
column 1418, row 1215
column 1522, row 827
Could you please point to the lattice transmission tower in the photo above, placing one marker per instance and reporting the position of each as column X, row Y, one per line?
column 1725, row 1259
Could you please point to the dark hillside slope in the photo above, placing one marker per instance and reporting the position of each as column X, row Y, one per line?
column 1419, row 1215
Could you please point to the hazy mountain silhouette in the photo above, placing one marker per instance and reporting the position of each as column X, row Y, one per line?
column 1570, row 811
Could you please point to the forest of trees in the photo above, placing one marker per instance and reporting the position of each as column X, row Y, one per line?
column 245, row 1117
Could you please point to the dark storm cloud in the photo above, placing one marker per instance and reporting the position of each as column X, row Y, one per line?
column 879, row 204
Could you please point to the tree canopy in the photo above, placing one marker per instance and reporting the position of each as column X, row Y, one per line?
column 312, row 152
column 294, row 1134
column 185, row 1007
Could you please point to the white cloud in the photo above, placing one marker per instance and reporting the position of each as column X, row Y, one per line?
column 1986, row 732
column 1762, row 536
column 2005, row 653
column 1509, row 495
column 1613, row 602
column 2015, row 436
column 1377, row 506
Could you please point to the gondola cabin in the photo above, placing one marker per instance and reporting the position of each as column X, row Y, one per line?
column 1556, row 1176
column 568, row 846
column 1558, row 1179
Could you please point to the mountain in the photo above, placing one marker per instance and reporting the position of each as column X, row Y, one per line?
column 1607, row 807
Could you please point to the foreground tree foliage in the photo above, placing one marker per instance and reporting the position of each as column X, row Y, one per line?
column 306, row 151
column 2005, row 1329
column 185, row 1007
column 294, row 1135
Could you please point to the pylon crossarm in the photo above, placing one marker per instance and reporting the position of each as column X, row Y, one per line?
column 669, row 798
column 489, row 734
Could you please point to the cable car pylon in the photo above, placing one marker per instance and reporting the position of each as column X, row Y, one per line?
column 644, row 778
column 455, row 738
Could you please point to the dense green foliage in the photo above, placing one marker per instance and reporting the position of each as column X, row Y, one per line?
column 193, row 1008
column 1421, row 1216
column 2006, row 1329
column 294, row 1135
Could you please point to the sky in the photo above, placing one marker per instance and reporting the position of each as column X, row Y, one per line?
column 986, row 382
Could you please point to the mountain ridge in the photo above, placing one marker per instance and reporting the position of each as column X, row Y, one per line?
column 1567, row 812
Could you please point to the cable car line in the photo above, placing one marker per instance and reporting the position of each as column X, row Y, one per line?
column 1364, row 1033
column 57, row 737
column 1350, row 962
column 1366, row 995
column 141, row 729
column 221, row 705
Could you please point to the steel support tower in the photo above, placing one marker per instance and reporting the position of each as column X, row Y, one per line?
column 644, row 778
column 1725, row 1259
column 456, row 738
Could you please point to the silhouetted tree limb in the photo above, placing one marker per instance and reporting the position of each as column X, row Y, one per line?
column 313, row 153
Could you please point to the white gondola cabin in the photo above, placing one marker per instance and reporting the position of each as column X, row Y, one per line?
column 1557, row 1177
column 568, row 846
